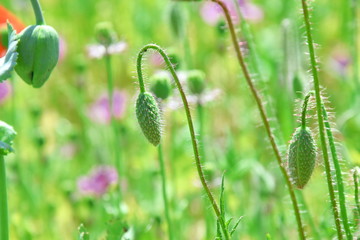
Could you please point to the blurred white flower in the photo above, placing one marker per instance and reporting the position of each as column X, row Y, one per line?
column 97, row 51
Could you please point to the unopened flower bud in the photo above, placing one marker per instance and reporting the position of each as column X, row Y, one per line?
column 38, row 54
column 196, row 81
column 161, row 85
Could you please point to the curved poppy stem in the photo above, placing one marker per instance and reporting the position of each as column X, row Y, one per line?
column 263, row 115
column 38, row 12
column 4, row 225
column 190, row 124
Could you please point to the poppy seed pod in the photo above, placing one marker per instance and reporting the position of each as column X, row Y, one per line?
column 302, row 157
column 148, row 116
column 38, row 54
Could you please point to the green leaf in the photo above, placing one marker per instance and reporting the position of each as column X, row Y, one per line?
column 235, row 226
column 83, row 233
column 9, row 61
column 7, row 135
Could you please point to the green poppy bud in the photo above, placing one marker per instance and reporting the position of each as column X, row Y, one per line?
column 105, row 33
column 148, row 115
column 196, row 81
column 302, row 157
column 38, row 54
column 7, row 135
column 161, row 85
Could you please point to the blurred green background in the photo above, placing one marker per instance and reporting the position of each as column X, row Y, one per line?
column 57, row 142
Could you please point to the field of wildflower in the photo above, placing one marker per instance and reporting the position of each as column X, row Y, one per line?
column 183, row 119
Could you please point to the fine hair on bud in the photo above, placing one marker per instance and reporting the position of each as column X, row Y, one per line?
column 301, row 157
column 148, row 116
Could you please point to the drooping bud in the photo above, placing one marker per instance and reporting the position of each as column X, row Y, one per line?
column 38, row 54
column 301, row 157
column 105, row 33
column 161, row 85
column 196, row 81
column 148, row 115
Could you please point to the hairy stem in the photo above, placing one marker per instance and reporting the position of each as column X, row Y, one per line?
column 314, row 71
column 304, row 109
column 164, row 191
column 263, row 115
column 356, row 190
column 190, row 124
column 38, row 12
column 4, row 225
column 339, row 179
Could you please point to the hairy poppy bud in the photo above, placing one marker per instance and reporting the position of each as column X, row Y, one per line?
column 302, row 157
column 38, row 54
column 148, row 115
column 161, row 86
column 196, row 81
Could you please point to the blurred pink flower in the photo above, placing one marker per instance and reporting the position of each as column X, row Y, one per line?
column 250, row 11
column 100, row 112
column 98, row 181
column 340, row 62
column 62, row 49
column 211, row 12
column 5, row 91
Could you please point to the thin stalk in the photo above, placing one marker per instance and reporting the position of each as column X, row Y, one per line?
column 356, row 190
column 110, row 84
column 263, row 115
column 314, row 71
column 354, row 43
column 164, row 192
column 339, row 179
column 4, row 225
column 190, row 124
column 38, row 12
column 304, row 109
column 200, row 117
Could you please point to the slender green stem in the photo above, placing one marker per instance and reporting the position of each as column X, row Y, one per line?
column 354, row 43
column 38, row 12
column 164, row 192
column 356, row 190
column 304, row 109
column 200, row 111
column 4, row 225
column 314, row 71
column 110, row 84
column 263, row 115
column 190, row 124
column 339, row 179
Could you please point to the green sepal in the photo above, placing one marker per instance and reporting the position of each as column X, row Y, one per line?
column 11, row 56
